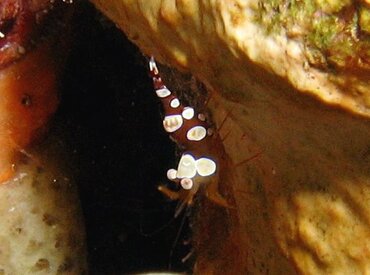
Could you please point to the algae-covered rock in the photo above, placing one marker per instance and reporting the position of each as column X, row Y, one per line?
column 295, row 76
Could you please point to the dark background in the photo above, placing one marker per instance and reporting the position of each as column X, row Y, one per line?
column 112, row 126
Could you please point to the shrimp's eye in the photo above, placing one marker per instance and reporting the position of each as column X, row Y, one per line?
column 186, row 183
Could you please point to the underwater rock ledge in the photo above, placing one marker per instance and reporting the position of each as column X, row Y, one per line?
column 296, row 78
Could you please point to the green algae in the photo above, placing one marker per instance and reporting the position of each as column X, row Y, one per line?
column 335, row 33
column 365, row 19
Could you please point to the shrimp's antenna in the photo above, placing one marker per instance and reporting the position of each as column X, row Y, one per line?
column 156, row 231
column 177, row 238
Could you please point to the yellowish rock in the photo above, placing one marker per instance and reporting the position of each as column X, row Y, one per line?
column 299, row 93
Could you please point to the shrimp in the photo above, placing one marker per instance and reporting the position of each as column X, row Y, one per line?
column 203, row 151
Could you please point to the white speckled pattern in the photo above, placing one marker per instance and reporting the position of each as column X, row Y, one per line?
column 196, row 133
column 172, row 123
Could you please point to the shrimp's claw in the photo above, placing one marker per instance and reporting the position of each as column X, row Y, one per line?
column 185, row 198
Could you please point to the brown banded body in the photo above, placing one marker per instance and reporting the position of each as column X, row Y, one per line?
column 199, row 165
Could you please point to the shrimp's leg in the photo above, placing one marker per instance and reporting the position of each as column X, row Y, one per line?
column 214, row 195
column 228, row 114
column 172, row 195
column 248, row 159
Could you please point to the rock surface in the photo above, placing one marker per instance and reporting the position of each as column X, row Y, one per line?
column 41, row 230
column 302, row 206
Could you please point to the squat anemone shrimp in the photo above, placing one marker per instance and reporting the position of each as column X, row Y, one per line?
column 203, row 153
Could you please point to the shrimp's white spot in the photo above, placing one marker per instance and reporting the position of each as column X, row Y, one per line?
column 210, row 131
column 201, row 117
column 188, row 113
column 187, row 167
column 186, row 183
column 205, row 167
column 164, row 92
column 171, row 174
column 172, row 123
column 175, row 103
column 196, row 133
